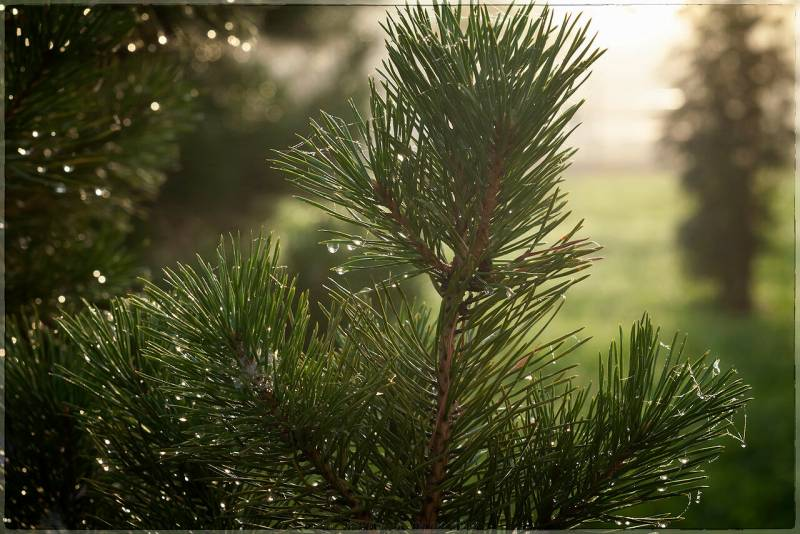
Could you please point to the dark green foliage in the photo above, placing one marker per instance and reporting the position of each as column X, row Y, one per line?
column 215, row 392
column 137, row 438
column 90, row 128
column 96, row 151
column 394, row 416
column 736, row 123
column 210, row 403
column 45, row 453
column 84, row 147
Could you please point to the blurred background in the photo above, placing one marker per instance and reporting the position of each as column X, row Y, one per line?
column 684, row 174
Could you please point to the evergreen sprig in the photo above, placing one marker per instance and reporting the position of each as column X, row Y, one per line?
column 395, row 416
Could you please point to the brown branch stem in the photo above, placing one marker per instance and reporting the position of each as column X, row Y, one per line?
column 432, row 496
column 385, row 198
column 460, row 273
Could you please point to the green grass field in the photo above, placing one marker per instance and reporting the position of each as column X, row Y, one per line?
column 635, row 218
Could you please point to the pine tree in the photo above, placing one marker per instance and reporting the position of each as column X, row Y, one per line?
column 734, row 125
column 94, row 109
column 220, row 405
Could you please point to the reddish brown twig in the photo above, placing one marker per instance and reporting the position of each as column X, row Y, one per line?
column 385, row 197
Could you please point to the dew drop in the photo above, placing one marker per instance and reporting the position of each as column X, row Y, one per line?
column 340, row 270
column 333, row 248
column 60, row 188
column 68, row 168
column 715, row 369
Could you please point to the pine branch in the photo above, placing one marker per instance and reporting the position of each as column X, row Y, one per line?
column 489, row 199
column 384, row 197
column 451, row 315
column 309, row 453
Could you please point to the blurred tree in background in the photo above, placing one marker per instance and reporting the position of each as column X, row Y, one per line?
column 736, row 122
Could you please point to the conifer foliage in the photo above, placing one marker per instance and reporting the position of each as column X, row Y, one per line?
column 89, row 127
column 95, row 102
column 220, row 405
